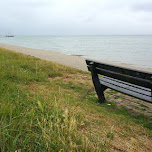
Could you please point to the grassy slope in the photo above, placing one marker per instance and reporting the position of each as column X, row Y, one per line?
column 45, row 106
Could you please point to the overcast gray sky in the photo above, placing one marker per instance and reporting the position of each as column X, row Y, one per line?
column 76, row 16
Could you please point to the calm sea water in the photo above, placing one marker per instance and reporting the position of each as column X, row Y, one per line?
column 134, row 50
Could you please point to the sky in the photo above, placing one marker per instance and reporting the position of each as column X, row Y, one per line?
column 76, row 17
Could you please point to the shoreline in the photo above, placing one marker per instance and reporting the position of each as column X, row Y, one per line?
column 74, row 61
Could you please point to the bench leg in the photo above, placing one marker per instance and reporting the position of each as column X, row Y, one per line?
column 98, row 87
column 100, row 91
column 102, row 97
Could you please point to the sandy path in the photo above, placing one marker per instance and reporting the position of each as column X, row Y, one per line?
column 69, row 60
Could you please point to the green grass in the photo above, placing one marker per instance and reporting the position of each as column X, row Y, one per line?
column 45, row 106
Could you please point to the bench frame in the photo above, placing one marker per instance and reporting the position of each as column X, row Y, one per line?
column 131, row 77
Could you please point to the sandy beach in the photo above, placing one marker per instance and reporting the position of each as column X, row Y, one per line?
column 77, row 62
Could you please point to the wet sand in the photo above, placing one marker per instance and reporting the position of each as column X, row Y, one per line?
column 74, row 61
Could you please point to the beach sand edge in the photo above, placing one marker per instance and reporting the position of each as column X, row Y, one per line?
column 74, row 61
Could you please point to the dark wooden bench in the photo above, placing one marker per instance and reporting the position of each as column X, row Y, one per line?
column 133, row 82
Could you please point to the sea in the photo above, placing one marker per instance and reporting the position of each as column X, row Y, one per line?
column 127, row 49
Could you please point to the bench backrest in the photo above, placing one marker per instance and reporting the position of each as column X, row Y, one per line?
column 129, row 75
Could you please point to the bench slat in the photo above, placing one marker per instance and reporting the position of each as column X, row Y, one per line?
column 129, row 92
column 127, row 86
column 122, row 70
column 122, row 77
column 139, row 87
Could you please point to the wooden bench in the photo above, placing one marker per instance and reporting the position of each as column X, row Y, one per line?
column 133, row 82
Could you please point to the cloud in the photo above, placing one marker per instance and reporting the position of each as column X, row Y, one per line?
column 145, row 7
column 76, row 16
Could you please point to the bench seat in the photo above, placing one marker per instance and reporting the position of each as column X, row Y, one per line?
column 132, row 82
column 127, row 88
